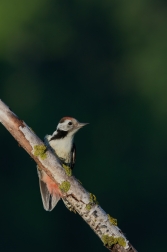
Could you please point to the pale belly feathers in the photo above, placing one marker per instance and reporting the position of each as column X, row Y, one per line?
column 62, row 148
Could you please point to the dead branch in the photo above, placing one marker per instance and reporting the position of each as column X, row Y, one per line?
column 74, row 194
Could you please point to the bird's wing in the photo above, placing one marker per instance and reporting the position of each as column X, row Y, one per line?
column 73, row 156
column 49, row 201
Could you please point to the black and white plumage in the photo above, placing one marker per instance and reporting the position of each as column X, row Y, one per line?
column 62, row 143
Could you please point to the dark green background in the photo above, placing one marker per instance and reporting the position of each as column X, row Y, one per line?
column 102, row 62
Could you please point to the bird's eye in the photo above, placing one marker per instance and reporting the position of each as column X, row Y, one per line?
column 70, row 123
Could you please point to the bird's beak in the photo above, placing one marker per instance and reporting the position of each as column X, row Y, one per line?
column 80, row 125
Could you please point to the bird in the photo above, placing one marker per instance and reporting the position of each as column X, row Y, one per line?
column 61, row 142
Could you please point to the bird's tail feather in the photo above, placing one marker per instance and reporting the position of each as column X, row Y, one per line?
column 49, row 200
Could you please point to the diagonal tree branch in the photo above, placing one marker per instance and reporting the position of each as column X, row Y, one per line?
column 74, row 195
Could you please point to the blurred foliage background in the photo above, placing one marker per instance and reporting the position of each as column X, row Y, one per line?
column 102, row 62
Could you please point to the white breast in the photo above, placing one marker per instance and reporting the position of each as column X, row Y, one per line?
column 63, row 148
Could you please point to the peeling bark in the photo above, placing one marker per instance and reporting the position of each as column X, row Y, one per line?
column 75, row 195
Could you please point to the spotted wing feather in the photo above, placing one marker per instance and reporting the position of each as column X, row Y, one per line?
column 73, row 156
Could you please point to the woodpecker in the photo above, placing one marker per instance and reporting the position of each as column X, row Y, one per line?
column 62, row 144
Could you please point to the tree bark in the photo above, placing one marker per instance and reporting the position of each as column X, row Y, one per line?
column 74, row 194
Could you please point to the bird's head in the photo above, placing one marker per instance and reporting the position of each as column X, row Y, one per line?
column 69, row 125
